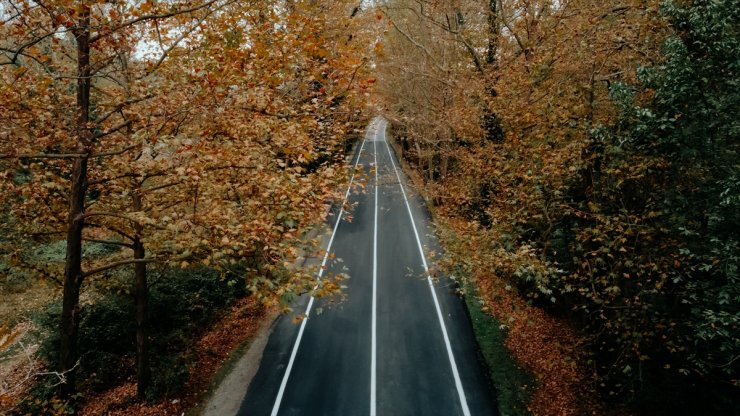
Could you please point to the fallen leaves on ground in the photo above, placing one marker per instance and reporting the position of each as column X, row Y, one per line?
column 543, row 344
column 548, row 348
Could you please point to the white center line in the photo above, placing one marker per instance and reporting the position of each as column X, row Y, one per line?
column 455, row 373
column 294, row 352
column 373, row 359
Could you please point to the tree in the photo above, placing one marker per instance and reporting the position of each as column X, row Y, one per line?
column 428, row 58
column 609, row 200
column 184, row 146
column 686, row 137
column 101, row 36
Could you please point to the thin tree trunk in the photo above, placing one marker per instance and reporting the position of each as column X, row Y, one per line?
column 142, row 309
column 492, row 33
column 419, row 156
column 443, row 164
column 70, row 320
column 72, row 280
column 491, row 120
column 430, row 160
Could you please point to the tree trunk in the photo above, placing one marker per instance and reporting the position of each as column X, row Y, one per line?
column 492, row 33
column 491, row 121
column 419, row 156
column 143, row 374
column 430, row 161
column 443, row 164
column 73, row 277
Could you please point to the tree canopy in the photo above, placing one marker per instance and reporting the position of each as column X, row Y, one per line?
column 587, row 155
column 186, row 133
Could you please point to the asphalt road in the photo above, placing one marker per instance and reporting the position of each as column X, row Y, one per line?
column 400, row 343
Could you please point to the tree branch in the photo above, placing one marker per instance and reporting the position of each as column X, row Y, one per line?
column 473, row 53
column 114, row 229
column 73, row 155
column 166, row 52
column 111, row 131
column 44, row 156
column 114, row 178
column 145, row 18
column 265, row 111
column 116, row 264
column 354, row 74
column 166, row 185
column 415, row 43
column 107, row 214
column 120, row 107
column 19, row 51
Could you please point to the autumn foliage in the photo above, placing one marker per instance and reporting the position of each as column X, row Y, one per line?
column 586, row 156
column 199, row 133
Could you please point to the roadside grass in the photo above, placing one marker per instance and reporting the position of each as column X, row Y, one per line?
column 514, row 385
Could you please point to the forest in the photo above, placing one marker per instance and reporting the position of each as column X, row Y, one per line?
column 582, row 160
column 164, row 162
column 160, row 159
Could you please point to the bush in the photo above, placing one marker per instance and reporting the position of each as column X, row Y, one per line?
column 168, row 376
column 101, row 369
column 182, row 303
column 654, row 242
column 108, row 326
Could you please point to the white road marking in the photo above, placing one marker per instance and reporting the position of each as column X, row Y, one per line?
column 455, row 373
column 294, row 352
column 373, row 359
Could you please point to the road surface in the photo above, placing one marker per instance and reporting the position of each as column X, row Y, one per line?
column 400, row 343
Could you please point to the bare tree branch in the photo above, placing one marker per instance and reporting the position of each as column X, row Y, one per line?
column 118, row 263
column 44, row 156
column 108, row 214
column 163, row 186
column 19, row 50
column 116, row 230
column 111, row 131
column 417, row 44
column 145, row 18
column 166, row 52
column 115, row 178
column 31, row 373
column 473, row 53
column 121, row 106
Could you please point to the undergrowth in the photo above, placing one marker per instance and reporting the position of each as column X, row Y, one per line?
column 514, row 385
column 182, row 303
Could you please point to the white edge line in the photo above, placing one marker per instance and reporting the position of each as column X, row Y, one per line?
column 374, row 343
column 448, row 345
column 294, row 352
